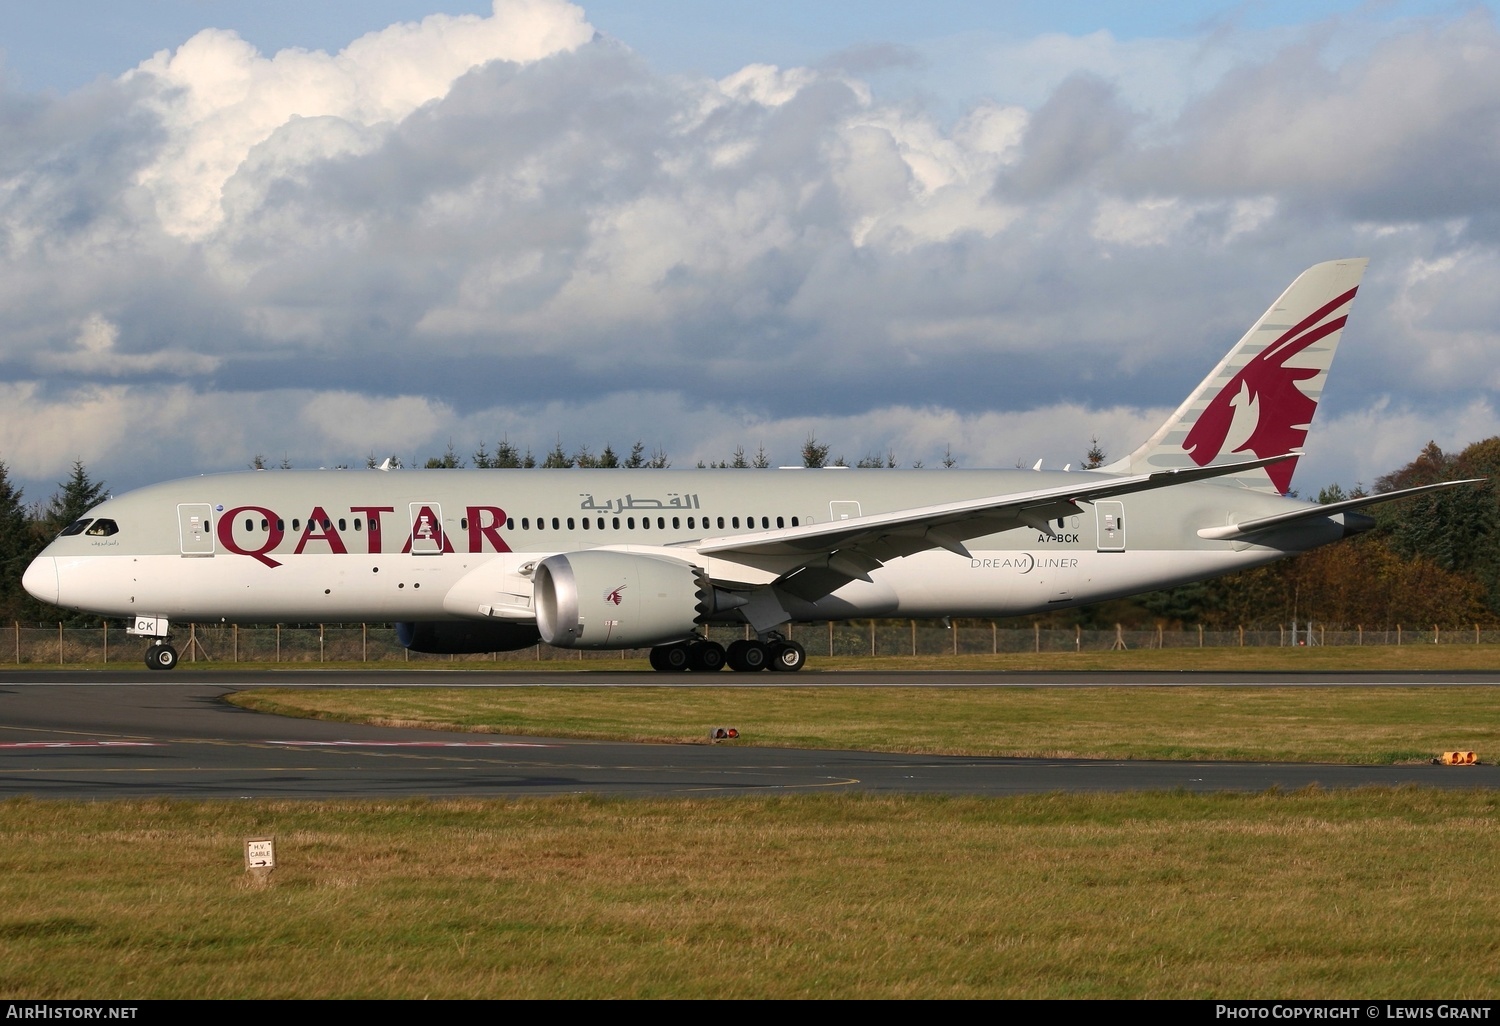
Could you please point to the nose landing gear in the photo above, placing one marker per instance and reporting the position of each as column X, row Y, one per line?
column 160, row 655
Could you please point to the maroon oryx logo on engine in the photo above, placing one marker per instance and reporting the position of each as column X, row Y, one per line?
column 613, row 597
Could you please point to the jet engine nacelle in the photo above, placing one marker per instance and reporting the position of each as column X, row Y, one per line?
column 600, row 599
column 465, row 637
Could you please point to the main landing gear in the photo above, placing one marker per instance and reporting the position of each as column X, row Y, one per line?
column 744, row 656
column 160, row 655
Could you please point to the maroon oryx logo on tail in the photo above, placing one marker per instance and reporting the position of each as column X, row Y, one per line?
column 1266, row 384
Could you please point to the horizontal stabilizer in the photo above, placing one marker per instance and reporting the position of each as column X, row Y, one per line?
column 1235, row 532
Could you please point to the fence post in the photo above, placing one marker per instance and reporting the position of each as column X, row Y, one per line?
column 830, row 639
column 106, row 641
column 1078, row 637
column 1036, row 629
column 1398, row 634
column 1434, row 634
column 364, row 643
column 1200, row 635
column 994, row 639
column 1242, row 635
column 278, row 642
column 872, row 636
column 234, row 641
column 60, row 659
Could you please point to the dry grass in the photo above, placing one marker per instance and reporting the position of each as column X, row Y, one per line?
column 1308, row 724
column 1390, row 893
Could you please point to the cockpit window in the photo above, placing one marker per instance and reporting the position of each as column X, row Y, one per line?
column 103, row 529
column 76, row 527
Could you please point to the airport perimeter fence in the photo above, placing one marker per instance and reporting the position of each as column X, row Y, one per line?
column 376, row 643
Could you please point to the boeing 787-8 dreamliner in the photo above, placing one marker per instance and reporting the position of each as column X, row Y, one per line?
column 478, row 561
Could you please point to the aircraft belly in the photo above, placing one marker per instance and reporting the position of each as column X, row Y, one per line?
column 310, row 588
column 1000, row 582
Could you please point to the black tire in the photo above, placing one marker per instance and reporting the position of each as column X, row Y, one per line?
column 748, row 656
column 788, row 657
column 161, row 657
column 705, row 657
column 675, row 658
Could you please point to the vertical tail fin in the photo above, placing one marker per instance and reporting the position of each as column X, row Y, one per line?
column 1261, row 397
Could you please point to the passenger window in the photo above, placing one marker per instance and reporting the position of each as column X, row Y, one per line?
column 76, row 527
column 721, row 523
column 661, row 523
column 356, row 523
column 570, row 523
column 585, row 523
column 510, row 523
column 794, row 521
column 555, row 526
column 342, row 524
column 736, row 521
column 525, row 523
column 780, row 521
column 615, row 523
column 463, row 523
column 676, row 523
column 630, row 523
column 249, row 524
column 690, row 523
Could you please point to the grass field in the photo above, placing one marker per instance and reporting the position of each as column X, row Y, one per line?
column 1363, row 894
column 1283, row 724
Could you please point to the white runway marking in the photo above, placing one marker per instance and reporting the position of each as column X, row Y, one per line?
column 79, row 744
column 410, row 744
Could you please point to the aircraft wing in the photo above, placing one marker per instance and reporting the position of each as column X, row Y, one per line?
column 1246, row 528
column 852, row 548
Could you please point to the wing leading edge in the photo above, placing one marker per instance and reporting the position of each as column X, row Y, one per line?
column 855, row 547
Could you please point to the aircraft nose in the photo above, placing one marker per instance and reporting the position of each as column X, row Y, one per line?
column 40, row 579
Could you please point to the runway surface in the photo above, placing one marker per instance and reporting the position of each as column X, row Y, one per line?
column 90, row 735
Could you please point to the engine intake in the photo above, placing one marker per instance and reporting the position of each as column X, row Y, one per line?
column 598, row 599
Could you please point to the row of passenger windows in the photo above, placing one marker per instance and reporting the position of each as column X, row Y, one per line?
column 629, row 523
column 265, row 525
column 573, row 524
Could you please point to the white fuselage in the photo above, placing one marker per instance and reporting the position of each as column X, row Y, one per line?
column 343, row 546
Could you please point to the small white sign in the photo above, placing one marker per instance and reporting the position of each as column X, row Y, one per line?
column 260, row 853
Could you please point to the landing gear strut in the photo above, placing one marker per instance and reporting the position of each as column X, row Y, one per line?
column 160, row 655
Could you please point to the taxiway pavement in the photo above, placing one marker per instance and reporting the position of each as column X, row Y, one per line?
column 91, row 735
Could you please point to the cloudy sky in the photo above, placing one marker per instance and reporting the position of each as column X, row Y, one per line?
column 318, row 232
